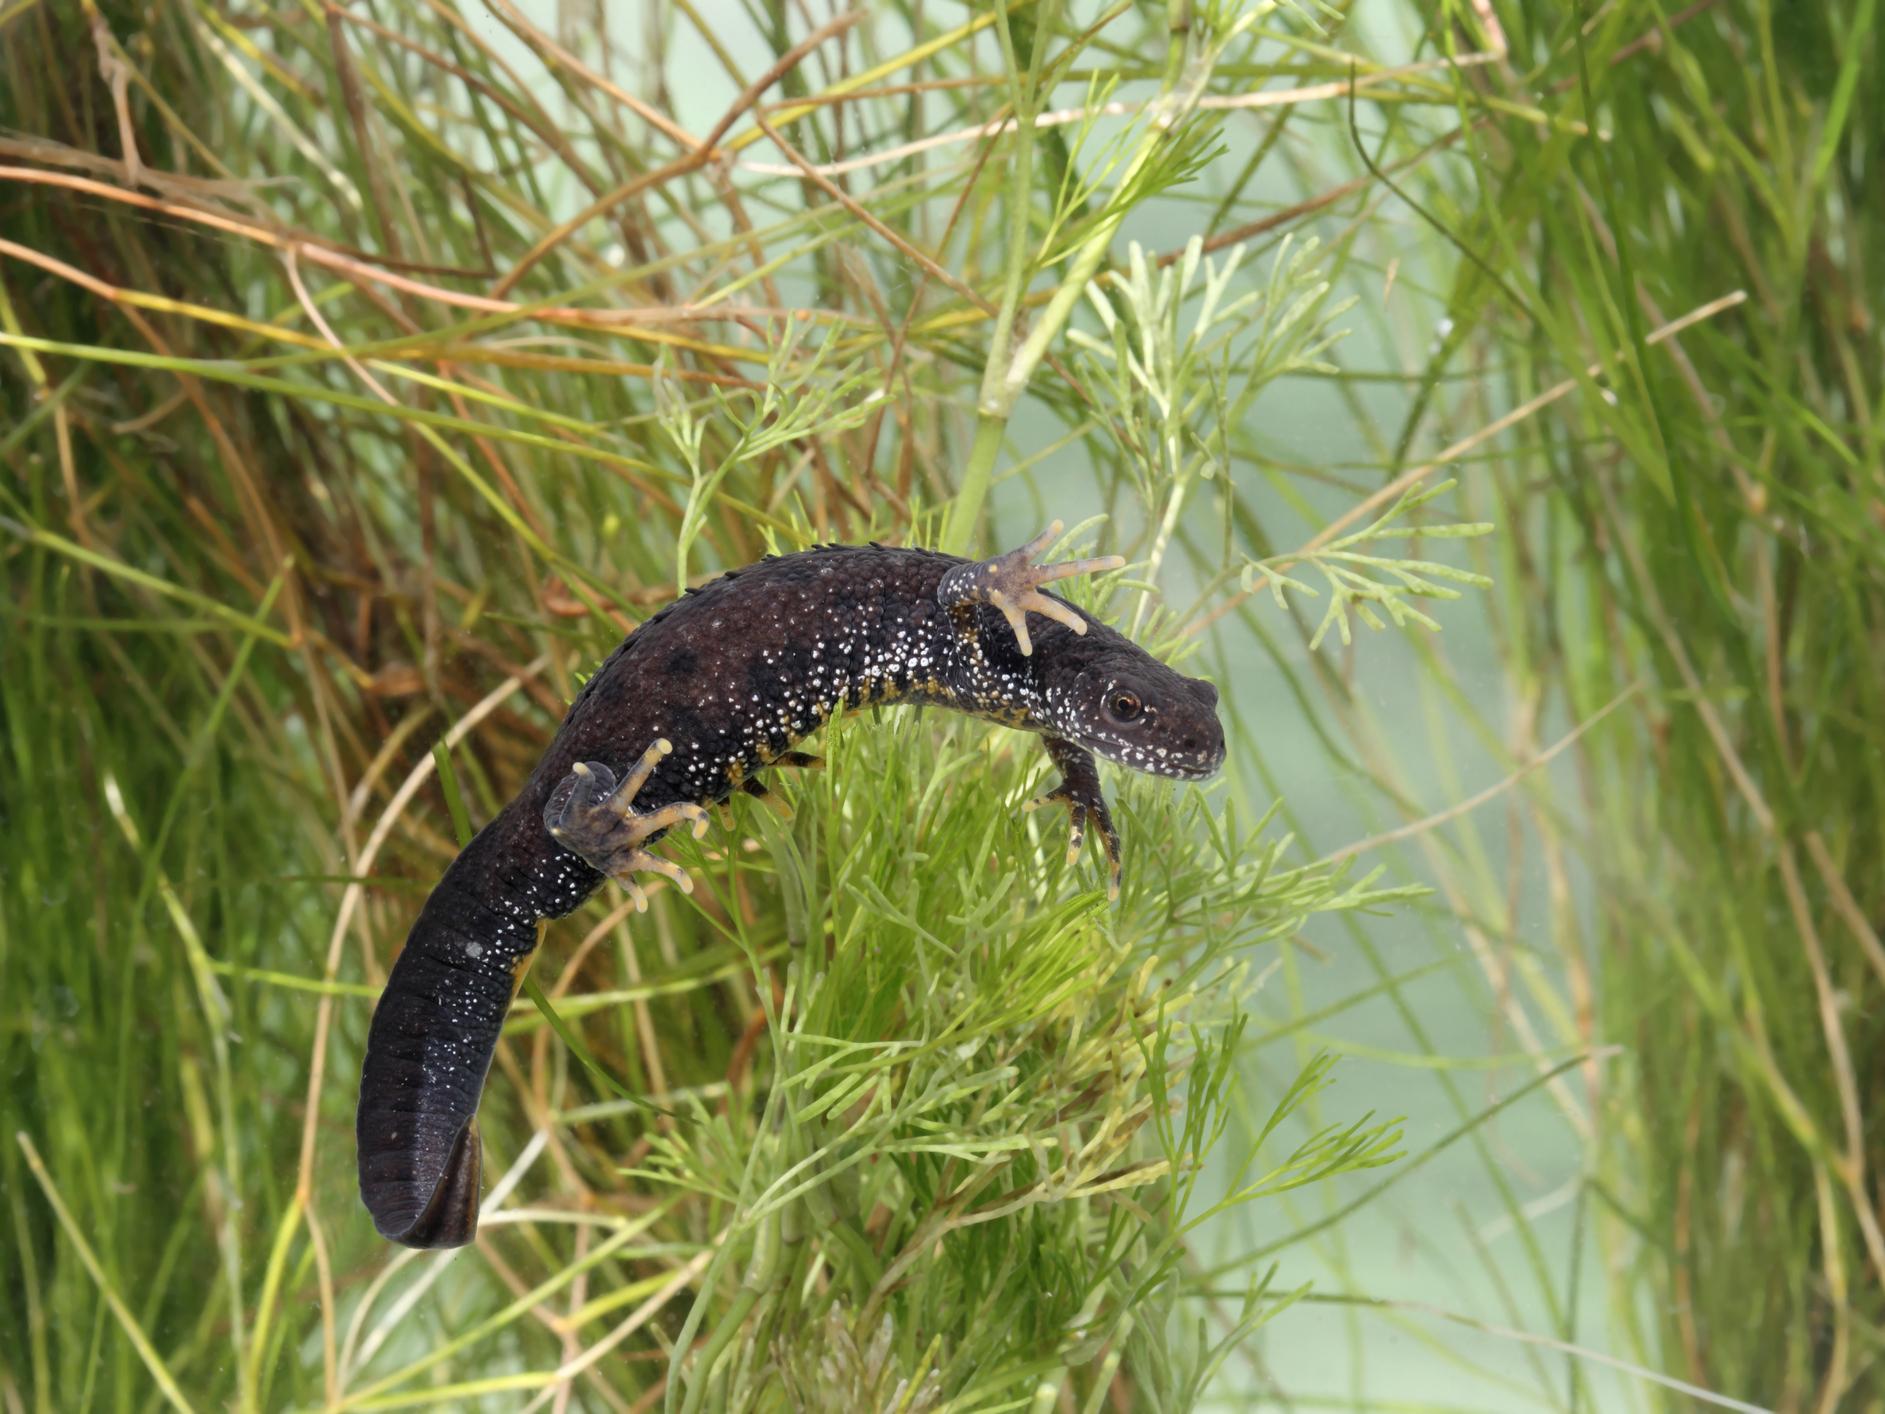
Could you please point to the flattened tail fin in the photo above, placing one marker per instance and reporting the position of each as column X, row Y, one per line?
column 450, row 1216
column 436, row 1029
column 428, row 1049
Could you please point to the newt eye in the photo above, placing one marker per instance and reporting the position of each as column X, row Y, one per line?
column 1124, row 706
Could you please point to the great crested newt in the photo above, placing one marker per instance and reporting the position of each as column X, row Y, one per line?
column 714, row 688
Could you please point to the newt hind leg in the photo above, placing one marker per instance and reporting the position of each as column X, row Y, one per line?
column 795, row 760
column 593, row 816
column 757, row 789
column 1079, row 790
column 1012, row 583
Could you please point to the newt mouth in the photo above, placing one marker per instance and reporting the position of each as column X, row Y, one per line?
column 1201, row 769
column 1176, row 765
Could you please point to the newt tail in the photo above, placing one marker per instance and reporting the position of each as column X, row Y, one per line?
column 692, row 705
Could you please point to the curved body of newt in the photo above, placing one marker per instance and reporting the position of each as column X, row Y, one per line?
column 715, row 687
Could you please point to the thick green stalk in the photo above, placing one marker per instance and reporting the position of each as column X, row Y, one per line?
column 959, row 528
column 762, row 1275
column 1007, row 374
column 992, row 413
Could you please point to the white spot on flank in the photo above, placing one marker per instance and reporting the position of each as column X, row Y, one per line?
column 474, row 949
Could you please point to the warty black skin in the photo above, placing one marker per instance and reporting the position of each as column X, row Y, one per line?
column 732, row 674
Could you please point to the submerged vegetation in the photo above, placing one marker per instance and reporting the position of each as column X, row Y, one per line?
column 367, row 370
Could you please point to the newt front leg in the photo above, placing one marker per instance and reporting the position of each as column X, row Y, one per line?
column 1079, row 790
column 1012, row 583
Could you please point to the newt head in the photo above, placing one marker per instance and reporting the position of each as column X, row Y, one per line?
column 1118, row 701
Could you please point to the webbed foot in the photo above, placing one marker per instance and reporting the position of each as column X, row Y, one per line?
column 594, row 818
column 1012, row 583
column 1079, row 790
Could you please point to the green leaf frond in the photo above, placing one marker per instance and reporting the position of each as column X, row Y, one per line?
column 952, row 982
column 1367, row 585
column 1182, row 358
